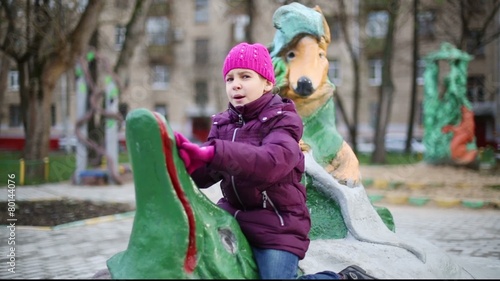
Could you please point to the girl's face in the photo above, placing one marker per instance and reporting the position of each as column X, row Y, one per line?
column 245, row 85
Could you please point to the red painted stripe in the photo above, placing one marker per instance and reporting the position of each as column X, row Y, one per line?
column 190, row 261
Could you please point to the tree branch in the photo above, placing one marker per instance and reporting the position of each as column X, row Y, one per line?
column 465, row 24
column 7, row 45
column 490, row 17
column 60, row 60
column 135, row 30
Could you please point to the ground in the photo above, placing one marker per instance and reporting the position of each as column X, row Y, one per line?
column 56, row 212
column 435, row 182
column 414, row 180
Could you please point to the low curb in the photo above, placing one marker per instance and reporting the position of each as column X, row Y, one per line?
column 400, row 197
column 90, row 221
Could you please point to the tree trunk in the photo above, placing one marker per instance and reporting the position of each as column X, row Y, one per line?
column 135, row 33
column 4, row 75
column 251, row 10
column 387, row 88
column 413, row 100
column 95, row 125
column 356, row 93
column 35, row 109
column 352, row 127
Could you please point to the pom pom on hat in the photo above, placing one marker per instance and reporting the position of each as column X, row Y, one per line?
column 250, row 56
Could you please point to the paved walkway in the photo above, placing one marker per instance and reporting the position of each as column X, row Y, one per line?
column 470, row 236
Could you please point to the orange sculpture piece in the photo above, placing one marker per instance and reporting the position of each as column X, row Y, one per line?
column 463, row 134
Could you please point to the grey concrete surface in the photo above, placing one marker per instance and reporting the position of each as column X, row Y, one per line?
column 470, row 236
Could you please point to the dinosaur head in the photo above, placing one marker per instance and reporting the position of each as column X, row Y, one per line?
column 177, row 231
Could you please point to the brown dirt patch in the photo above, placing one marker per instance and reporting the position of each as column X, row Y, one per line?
column 433, row 181
column 56, row 212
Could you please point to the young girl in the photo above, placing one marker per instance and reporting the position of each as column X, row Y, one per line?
column 253, row 147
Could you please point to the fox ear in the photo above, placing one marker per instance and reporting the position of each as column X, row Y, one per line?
column 318, row 9
column 326, row 28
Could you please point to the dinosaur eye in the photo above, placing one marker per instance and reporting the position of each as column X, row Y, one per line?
column 290, row 55
column 228, row 240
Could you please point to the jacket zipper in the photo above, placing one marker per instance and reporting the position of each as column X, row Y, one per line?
column 265, row 199
column 232, row 177
column 241, row 122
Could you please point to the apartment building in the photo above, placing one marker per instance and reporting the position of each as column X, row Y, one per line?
column 176, row 69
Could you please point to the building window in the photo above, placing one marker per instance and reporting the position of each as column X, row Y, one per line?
column 162, row 109
column 201, row 95
column 239, row 29
column 376, row 25
column 53, row 115
column 201, row 51
column 120, row 32
column 475, row 88
column 420, row 72
column 157, row 28
column 160, row 77
column 426, row 21
column 15, row 118
column 375, row 72
column 334, row 72
column 334, row 24
column 13, row 80
column 201, row 11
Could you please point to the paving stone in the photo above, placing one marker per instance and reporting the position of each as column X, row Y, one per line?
column 77, row 253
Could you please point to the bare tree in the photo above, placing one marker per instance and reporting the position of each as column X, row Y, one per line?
column 43, row 49
column 413, row 99
column 386, row 90
column 477, row 22
column 353, row 127
column 133, row 36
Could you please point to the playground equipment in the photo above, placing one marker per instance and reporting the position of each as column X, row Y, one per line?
column 448, row 117
column 110, row 151
column 186, row 236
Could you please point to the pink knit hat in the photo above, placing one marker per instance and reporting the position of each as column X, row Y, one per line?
column 250, row 56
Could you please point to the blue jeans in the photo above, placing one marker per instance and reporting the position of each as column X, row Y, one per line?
column 278, row 264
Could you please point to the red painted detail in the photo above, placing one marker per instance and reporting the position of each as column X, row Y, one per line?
column 190, row 260
column 17, row 143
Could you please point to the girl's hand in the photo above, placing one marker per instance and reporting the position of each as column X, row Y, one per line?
column 196, row 156
column 180, row 139
column 191, row 154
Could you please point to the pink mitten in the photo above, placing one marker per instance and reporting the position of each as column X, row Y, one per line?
column 180, row 139
column 185, row 157
column 198, row 156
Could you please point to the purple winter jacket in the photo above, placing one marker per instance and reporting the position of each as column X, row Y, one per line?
column 258, row 159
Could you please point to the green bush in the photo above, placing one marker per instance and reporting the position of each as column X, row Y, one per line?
column 392, row 158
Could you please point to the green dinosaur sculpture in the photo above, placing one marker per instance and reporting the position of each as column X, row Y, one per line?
column 177, row 232
column 447, row 107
